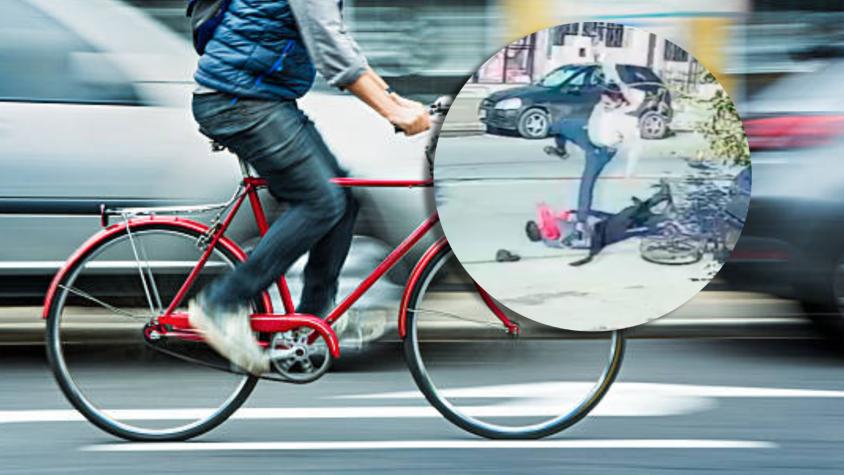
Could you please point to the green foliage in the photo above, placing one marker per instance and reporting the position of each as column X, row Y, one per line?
column 723, row 130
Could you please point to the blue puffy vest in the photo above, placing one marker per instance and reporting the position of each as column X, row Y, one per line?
column 257, row 52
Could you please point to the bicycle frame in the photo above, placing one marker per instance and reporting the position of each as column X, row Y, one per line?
column 175, row 324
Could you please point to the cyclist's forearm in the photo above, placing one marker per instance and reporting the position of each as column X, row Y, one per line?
column 381, row 82
column 371, row 89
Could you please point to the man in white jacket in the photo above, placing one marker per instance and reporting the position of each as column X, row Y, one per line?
column 612, row 124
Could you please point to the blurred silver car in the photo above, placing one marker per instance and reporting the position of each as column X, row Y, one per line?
column 95, row 108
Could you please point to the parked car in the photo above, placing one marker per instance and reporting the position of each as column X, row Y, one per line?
column 95, row 108
column 792, row 244
column 571, row 90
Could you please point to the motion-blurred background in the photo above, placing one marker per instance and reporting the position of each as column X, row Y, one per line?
column 94, row 108
column 94, row 100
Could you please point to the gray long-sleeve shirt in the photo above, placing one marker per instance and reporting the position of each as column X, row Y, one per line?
column 334, row 52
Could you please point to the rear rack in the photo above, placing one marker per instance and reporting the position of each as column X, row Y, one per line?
column 106, row 212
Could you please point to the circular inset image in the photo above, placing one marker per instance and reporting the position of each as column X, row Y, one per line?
column 600, row 177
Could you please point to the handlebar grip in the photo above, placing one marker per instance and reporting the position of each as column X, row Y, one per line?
column 438, row 107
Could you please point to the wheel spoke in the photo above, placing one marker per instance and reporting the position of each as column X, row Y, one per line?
column 91, row 298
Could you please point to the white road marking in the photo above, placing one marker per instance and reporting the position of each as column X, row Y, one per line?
column 524, row 408
column 435, row 444
column 541, row 399
column 124, row 264
column 621, row 389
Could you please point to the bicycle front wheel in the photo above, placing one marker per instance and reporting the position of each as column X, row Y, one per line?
column 672, row 250
column 489, row 382
column 100, row 357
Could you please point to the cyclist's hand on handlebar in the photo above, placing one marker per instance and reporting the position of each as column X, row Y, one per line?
column 410, row 116
column 405, row 102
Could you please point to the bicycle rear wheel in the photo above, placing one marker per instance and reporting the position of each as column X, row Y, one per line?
column 100, row 357
column 491, row 383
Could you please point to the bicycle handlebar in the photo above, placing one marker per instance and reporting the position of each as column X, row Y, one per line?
column 437, row 108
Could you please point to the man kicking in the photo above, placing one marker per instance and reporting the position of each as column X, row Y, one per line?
column 611, row 122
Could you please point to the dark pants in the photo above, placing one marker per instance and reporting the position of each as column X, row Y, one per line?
column 574, row 130
column 283, row 146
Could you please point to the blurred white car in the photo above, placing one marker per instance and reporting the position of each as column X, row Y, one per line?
column 95, row 108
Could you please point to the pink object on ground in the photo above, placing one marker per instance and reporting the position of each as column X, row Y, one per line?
column 548, row 221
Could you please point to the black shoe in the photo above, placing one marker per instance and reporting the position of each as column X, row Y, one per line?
column 503, row 255
column 556, row 152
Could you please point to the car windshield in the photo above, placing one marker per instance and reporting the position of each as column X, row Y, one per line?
column 559, row 76
column 636, row 74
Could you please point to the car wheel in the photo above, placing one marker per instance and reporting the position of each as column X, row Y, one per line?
column 533, row 124
column 653, row 125
column 825, row 303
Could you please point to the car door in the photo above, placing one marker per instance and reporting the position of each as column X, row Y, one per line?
column 590, row 93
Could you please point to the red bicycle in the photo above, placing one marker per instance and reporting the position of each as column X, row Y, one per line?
column 124, row 355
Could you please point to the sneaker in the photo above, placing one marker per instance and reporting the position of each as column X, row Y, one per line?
column 229, row 332
column 556, row 152
column 579, row 238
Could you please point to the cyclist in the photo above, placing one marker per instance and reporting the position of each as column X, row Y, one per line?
column 611, row 123
column 262, row 58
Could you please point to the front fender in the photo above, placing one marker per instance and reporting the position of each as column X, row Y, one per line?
column 136, row 223
column 415, row 275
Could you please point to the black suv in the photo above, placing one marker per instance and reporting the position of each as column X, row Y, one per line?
column 573, row 90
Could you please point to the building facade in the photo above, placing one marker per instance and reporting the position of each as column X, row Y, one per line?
column 528, row 59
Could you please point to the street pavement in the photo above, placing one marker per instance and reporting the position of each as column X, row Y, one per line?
column 680, row 406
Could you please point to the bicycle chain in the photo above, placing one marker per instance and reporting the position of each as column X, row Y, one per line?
column 206, row 364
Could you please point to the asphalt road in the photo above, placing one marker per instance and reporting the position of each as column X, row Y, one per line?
column 711, row 405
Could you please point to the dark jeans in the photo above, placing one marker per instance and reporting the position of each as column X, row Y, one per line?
column 574, row 130
column 279, row 141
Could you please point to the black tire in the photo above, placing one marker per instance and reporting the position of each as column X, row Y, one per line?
column 496, row 131
column 653, row 126
column 77, row 398
column 821, row 295
column 423, row 380
column 534, row 124
column 532, row 231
